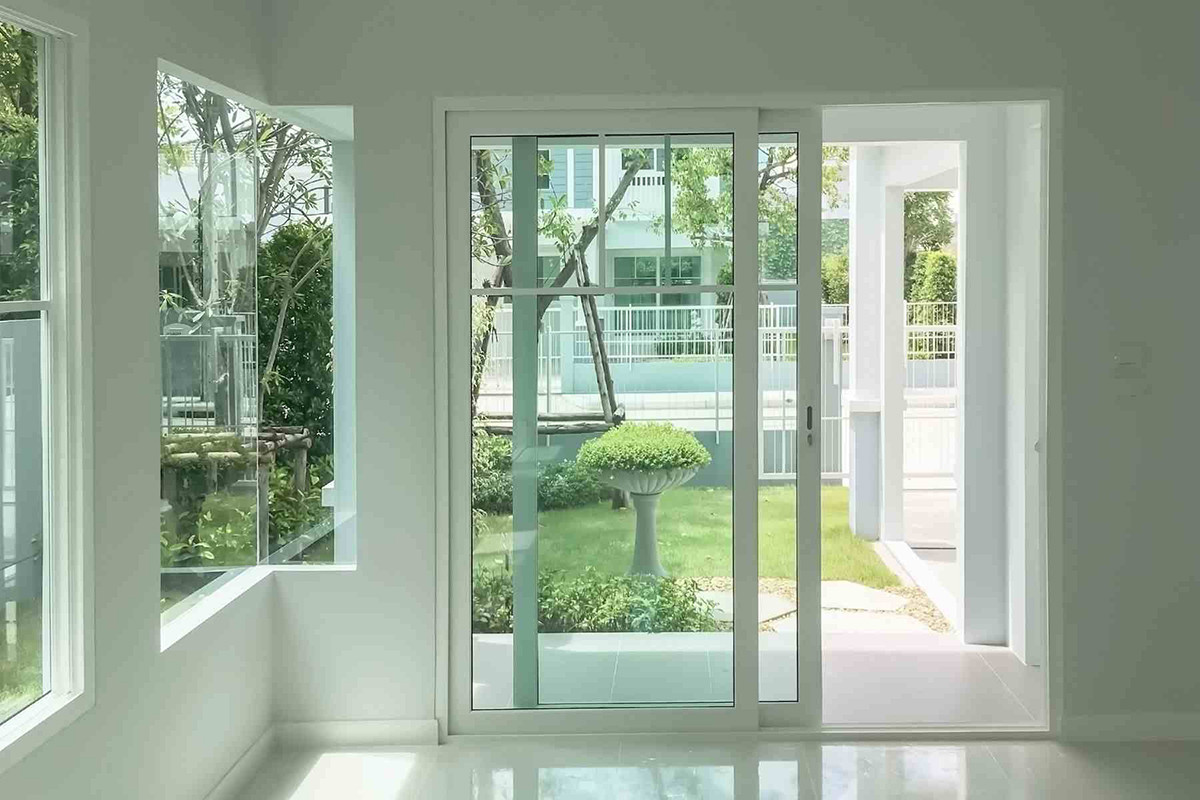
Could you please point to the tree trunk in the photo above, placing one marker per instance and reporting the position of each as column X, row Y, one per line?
column 574, row 266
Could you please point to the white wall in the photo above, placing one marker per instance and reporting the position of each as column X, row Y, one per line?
column 164, row 724
column 1129, row 550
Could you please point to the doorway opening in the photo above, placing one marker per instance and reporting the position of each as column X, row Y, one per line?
column 931, row 265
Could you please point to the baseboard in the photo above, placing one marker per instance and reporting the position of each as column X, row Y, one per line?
column 356, row 733
column 1131, row 727
column 245, row 768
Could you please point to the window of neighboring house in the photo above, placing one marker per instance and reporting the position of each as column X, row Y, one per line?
column 39, row 630
column 655, row 159
column 682, row 271
column 246, row 308
column 654, row 271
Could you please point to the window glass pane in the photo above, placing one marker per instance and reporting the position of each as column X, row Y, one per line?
column 777, row 231
column 20, row 209
column 778, row 416
column 702, row 205
column 24, row 663
column 634, row 230
column 296, row 348
column 246, row 305
column 24, row 588
column 208, row 237
column 491, row 211
column 609, row 634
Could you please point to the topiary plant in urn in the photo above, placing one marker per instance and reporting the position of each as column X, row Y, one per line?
column 645, row 460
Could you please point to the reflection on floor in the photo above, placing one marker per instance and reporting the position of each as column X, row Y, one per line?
column 870, row 678
column 729, row 768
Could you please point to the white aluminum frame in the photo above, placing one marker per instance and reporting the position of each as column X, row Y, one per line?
column 805, row 712
column 746, row 713
column 67, row 383
column 743, row 714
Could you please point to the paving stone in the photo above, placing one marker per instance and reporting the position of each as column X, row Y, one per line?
column 856, row 597
column 769, row 605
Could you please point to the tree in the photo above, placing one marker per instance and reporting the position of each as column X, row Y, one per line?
column 281, row 168
column 835, row 277
column 706, row 217
column 935, row 277
column 295, row 330
column 19, row 198
column 929, row 225
column 491, row 244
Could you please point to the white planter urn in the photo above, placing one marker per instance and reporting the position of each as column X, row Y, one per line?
column 645, row 487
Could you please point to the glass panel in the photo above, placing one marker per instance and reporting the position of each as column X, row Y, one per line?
column 296, row 348
column 491, row 211
column 20, row 198
column 24, row 662
column 630, row 591
column 634, row 233
column 701, row 216
column 567, row 211
column 778, row 417
column 208, row 237
column 778, row 182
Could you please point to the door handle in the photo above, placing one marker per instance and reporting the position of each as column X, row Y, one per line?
column 809, row 418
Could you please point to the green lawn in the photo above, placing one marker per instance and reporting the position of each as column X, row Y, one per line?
column 21, row 670
column 694, row 525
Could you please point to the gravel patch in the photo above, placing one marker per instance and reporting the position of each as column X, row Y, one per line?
column 919, row 606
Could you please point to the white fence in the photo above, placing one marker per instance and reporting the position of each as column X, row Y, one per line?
column 673, row 363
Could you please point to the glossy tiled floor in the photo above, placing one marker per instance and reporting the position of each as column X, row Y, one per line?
column 652, row 768
column 869, row 679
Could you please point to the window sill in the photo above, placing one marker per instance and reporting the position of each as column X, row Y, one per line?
column 33, row 726
column 212, row 604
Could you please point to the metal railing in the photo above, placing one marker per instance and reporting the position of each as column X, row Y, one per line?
column 663, row 350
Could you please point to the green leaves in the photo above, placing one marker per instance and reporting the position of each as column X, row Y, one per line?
column 593, row 602
column 644, row 447
column 562, row 484
column 935, row 277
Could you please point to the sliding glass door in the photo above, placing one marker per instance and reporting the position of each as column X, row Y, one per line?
column 631, row 418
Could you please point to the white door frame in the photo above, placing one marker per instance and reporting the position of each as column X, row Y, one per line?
column 1048, row 503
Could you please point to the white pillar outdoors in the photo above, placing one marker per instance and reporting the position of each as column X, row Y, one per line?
column 866, row 308
column 892, row 349
column 982, row 556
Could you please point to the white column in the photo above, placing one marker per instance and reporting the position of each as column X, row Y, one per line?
column 982, row 556
column 866, row 308
column 892, row 349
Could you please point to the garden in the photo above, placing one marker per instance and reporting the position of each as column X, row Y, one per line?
column 588, row 576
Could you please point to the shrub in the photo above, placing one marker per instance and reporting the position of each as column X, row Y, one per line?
column 644, row 447
column 562, row 484
column 300, row 390
column 491, row 473
column 835, row 277
column 594, row 603
column 566, row 484
column 935, row 277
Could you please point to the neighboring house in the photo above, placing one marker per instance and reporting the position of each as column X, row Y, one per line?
column 634, row 238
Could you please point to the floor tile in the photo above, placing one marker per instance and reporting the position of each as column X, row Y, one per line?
column 717, row 767
column 926, row 688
